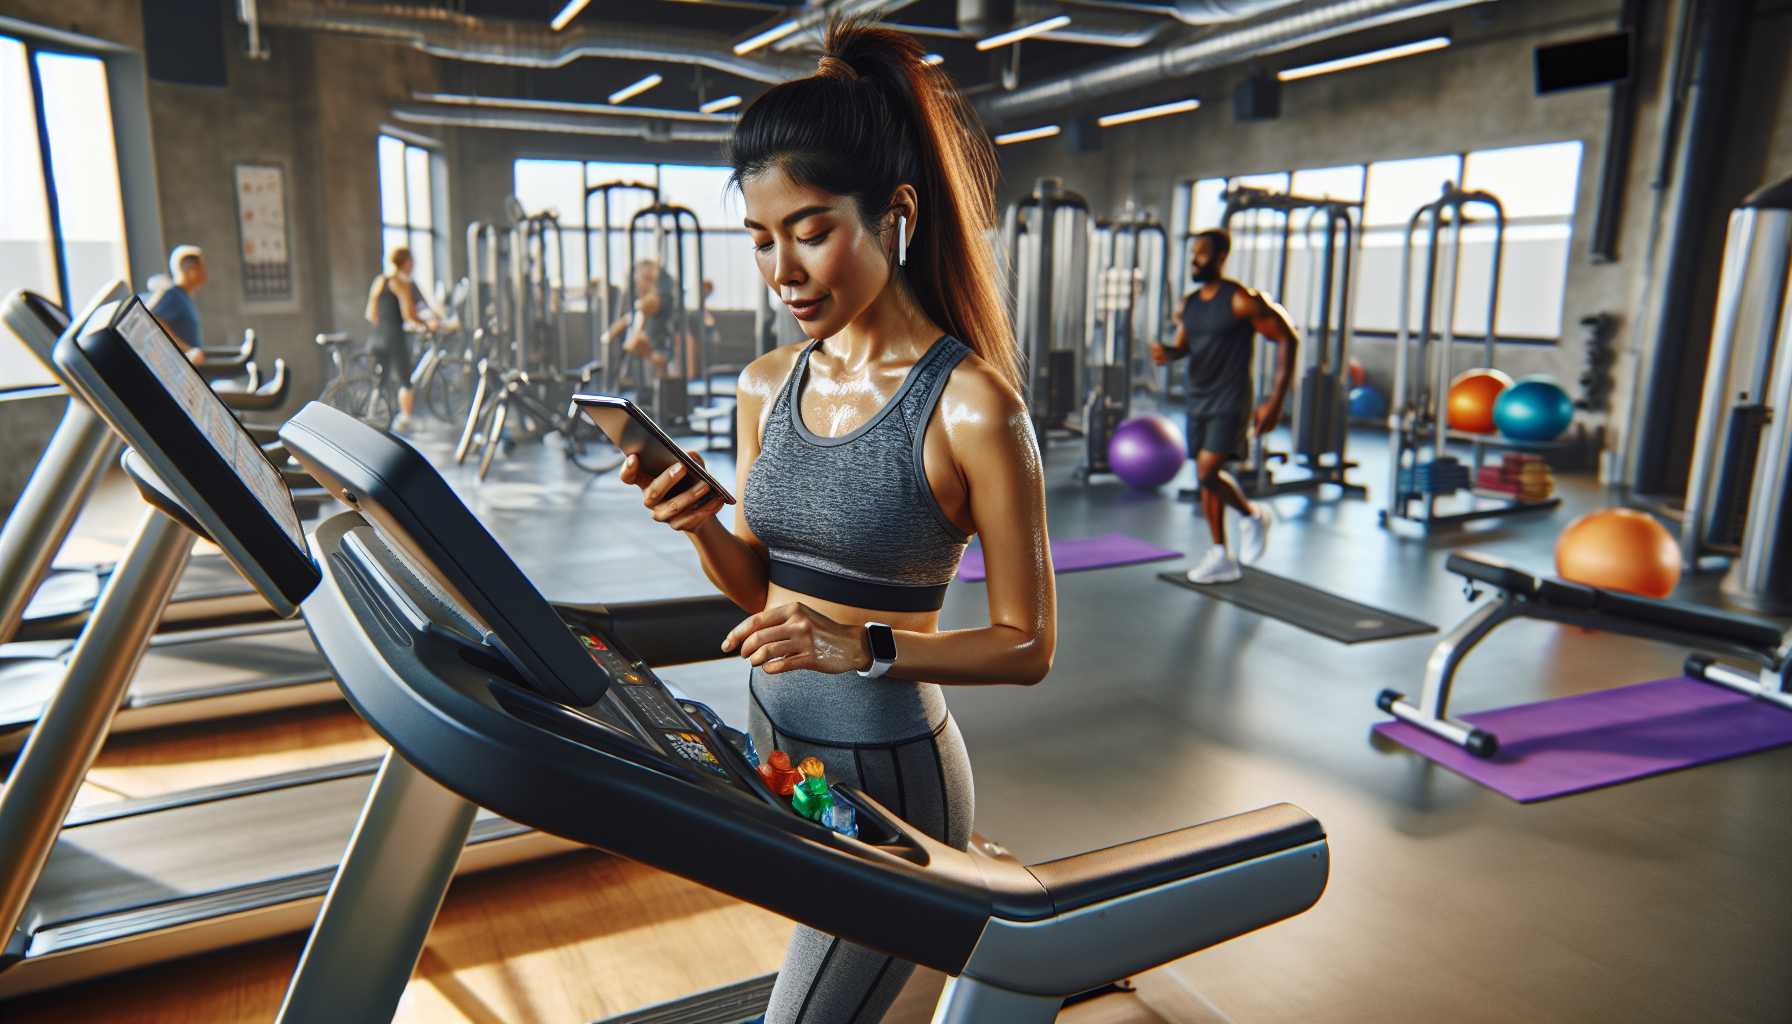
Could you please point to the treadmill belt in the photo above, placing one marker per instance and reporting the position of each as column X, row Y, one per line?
column 125, row 863
column 208, row 576
column 64, row 592
column 177, row 669
column 1314, row 610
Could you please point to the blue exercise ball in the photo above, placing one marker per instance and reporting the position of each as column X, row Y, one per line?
column 1147, row 451
column 1534, row 409
column 1366, row 403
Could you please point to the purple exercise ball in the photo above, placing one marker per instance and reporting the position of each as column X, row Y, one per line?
column 1147, row 451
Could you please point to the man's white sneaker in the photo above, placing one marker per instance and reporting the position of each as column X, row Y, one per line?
column 1216, row 566
column 1253, row 532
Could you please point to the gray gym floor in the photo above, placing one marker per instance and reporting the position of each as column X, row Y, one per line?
column 1664, row 899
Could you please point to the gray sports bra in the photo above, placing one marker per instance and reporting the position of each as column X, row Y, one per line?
column 852, row 519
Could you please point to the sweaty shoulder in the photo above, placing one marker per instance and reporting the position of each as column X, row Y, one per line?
column 977, row 402
column 1246, row 301
column 764, row 376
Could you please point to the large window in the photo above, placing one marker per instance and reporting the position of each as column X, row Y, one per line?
column 563, row 185
column 408, row 197
column 1537, row 186
column 61, row 212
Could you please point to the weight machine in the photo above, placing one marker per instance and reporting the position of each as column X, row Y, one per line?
column 1045, row 245
column 1739, row 496
column 1129, row 288
column 601, row 291
column 1331, row 234
column 1421, row 470
column 522, row 389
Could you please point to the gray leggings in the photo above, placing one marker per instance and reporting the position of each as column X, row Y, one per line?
column 926, row 780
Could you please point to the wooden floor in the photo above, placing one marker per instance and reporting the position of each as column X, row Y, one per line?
column 575, row 938
column 144, row 764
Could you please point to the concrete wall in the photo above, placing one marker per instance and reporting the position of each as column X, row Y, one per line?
column 1477, row 94
column 314, row 108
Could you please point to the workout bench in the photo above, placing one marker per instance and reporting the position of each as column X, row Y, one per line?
column 1522, row 595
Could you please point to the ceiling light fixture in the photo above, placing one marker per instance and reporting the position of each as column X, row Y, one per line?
column 1015, row 35
column 770, row 35
column 1027, row 135
column 631, row 91
column 569, row 12
column 1357, row 61
column 1146, row 113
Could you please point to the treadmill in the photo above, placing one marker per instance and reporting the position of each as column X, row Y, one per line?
column 196, row 674
column 493, row 698
column 119, row 885
column 211, row 592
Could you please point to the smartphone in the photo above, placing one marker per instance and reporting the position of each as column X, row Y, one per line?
column 633, row 432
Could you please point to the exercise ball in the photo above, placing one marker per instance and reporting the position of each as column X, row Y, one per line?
column 1146, row 451
column 1534, row 409
column 1619, row 549
column 1472, row 394
column 1358, row 375
column 1366, row 403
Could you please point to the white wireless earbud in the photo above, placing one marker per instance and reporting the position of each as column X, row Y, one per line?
column 902, row 240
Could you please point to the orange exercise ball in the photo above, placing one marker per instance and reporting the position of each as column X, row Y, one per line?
column 1472, row 393
column 1619, row 549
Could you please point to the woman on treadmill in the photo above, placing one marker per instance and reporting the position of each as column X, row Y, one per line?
column 869, row 456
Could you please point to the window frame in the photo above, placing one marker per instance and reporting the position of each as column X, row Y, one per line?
column 1185, row 199
column 433, row 234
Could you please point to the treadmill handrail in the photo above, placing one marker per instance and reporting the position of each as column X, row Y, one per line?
column 68, row 471
column 923, row 900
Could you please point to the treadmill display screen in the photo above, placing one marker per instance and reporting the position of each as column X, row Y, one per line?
column 220, row 427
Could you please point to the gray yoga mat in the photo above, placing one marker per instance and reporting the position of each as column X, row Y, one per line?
column 1312, row 609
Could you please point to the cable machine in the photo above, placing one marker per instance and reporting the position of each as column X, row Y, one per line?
column 601, row 290
column 1046, row 243
column 1421, row 470
column 1129, row 288
column 1331, row 233
column 1739, row 494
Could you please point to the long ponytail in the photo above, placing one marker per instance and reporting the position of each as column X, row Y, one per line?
column 873, row 117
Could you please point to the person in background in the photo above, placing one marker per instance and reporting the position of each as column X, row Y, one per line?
column 393, row 306
column 1220, row 320
column 646, row 329
column 173, row 302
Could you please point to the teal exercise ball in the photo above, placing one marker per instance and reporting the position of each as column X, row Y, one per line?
column 1534, row 409
column 1366, row 403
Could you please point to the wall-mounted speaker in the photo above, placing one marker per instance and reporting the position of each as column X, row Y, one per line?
column 1258, row 98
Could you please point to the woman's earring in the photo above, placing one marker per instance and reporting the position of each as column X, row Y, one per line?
column 901, row 240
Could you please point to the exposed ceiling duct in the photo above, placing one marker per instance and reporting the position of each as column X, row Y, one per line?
column 1090, row 28
column 813, row 22
column 1214, row 12
column 985, row 17
column 562, row 122
column 1310, row 23
column 444, row 33
column 568, row 107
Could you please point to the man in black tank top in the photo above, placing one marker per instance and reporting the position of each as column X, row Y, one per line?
column 1220, row 319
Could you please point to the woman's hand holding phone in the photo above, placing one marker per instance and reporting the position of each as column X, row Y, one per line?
column 687, row 510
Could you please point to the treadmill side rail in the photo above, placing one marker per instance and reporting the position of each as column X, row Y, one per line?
column 370, row 932
column 68, row 737
column 1096, row 944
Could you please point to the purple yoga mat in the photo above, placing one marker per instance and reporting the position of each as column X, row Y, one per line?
column 1076, row 555
column 1573, row 744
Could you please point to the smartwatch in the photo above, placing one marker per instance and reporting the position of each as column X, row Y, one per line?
column 881, row 639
